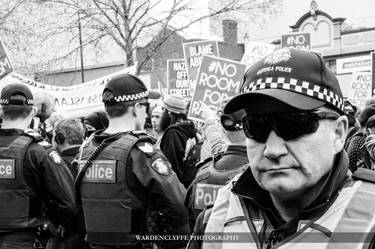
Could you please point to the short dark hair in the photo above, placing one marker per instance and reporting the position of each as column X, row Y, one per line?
column 72, row 129
column 116, row 110
column 13, row 112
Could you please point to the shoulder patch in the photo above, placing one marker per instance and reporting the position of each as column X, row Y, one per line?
column 364, row 175
column 161, row 167
column 55, row 157
column 146, row 147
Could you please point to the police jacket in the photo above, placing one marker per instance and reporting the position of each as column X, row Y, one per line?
column 32, row 175
column 127, row 177
column 214, row 172
column 68, row 155
column 341, row 217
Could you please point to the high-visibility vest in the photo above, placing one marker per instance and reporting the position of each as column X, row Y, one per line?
column 346, row 224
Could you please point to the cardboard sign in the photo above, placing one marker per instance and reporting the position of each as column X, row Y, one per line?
column 353, row 64
column 218, row 79
column 296, row 40
column 177, row 78
column 360, row 88
column 5, row 64
column 256, row 51
column 193, row 54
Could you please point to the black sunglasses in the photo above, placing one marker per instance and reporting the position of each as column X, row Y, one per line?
column 287, row 126
column 146, row 104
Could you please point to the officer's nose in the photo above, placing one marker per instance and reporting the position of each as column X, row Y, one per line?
column 274, row 146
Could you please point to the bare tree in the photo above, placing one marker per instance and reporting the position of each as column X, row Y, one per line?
column 127, row 22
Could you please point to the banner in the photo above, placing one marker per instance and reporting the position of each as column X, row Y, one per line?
column 76, row 100
column 5, row 64
column 353, row 64
column 218, row 79
column 296, row 40
column 256, row 51
column 177, row 78
column 360, row 88
column 193, row 54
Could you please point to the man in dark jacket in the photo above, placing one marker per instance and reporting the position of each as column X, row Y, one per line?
column 32, row 174
column 67, row 138
column 123, row 176
column 179, row 136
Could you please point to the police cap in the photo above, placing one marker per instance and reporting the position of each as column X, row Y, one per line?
column 126, row 88
column 16, row 89
column 287, row 80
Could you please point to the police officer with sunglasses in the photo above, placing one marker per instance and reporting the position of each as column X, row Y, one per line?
column 297, row 192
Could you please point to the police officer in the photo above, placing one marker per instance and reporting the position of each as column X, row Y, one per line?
column 122, row 175
column 32, row 175
column 215, row 171
column 297, row 191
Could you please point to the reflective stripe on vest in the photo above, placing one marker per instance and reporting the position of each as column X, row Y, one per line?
column 108, row 204
column 350, row 220
column 14, row 192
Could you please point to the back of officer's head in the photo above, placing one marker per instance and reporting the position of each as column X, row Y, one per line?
column 232, row 127
column 16, row 101
column 121, row 92
column 69, row 130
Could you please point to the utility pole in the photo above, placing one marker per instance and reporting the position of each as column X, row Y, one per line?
column 81, row 47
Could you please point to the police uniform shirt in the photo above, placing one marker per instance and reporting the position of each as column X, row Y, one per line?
column 150, row 177
column 47, row 176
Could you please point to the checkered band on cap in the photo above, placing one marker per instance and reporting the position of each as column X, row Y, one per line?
column 295, row 85
column 132, row 97
column 6, row 102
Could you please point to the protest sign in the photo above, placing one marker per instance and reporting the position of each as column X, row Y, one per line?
column 193, row 54
column 5, row 64
column 76, row 100
column 360, row 88
column 218, row 79
column 353, row 64
column 255, row 51
column 296, row 40
column 177, row 78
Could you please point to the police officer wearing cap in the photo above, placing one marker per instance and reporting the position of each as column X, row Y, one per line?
column 32, row 175
column 122, row 175
column 214, row 172
column 297, row 191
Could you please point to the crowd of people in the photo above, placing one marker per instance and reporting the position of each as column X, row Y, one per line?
column 285, row 163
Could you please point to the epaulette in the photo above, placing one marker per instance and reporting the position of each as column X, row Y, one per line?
column 32, row 133
column 214, row 158
column 364, row 175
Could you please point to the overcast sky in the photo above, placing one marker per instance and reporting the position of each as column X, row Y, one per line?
column 358, row 12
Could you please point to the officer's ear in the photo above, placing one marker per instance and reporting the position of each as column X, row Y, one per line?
column 34, row 111
column 340, row 129
column 134, row 109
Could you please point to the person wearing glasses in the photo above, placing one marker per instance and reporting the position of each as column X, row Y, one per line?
column 122, row 175
column 297, row 191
